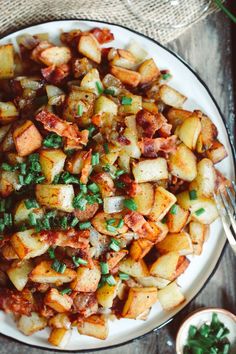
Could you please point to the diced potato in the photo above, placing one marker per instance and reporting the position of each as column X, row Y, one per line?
column 86, row 279
column 105, row 105
column 148, row 71
column 189, row 131
column 94, row 326
column 58, row 302
column 113, row 204
column 31, row 324
column 52, row 162
column 43, row 273
column 124, row 161
column 139, row 300
column 158, row 282
column 105, row 184
column 3, row 132
column 8, row 182
column 137, row 50
column 58, row 196
column 22, row 213
column 151, row 170
column 6, row 61
column 139, row 248
column 59, row 337
column 113, row 258
column 124, row 59
column 132, row 108
column 163, row 201
column 177, row 221
column 106, row 294
column 177, row 116
column 91, row 81
column 208, row 134
column 100, row 224
column 133, row 149
column 183, row 163
column 163, row 230
column 89, row 46
column 8, row 252
column 74, row 164
column 14, row 159
column 7, row 143
column 217, row 152
column 18, row 273
column 27, row 244
column 202, row 209
column 145, row 198
column 8, row 112
column 180, row 243
column 60, row 320
column 127, row 77
column 133, row 268
column 170, row 296
column 167, row 266
column 171, row 97
column 206, row 178
column 55, row 55
column 150, row 107
column 198, row 233
column 27, row 138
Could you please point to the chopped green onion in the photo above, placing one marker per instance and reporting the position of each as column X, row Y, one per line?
column 65, row 291
column 64, row 222
column 21, row 180
column 74, row 222
column 123, row 276
column 23, row 168
column 32, row 219
column 79, row 202
column 110, row 280
column 118, row 173
column 7, row 219
column 51, row 214
column 2, row 205
column 199, row 211
column 22, row 228
column 173, row 209
column 91, row 128
column 106, row 148
column 120, row 184
column 126, row 101
column 58, row 266
column 6, row 167
column 68, row 178
column 79, row 261
column 39, row 179
column 204, row 330
column 2, row 226
column 104, row 268
column 84, row 225
column 53, row 140
column 130, row 204
column 110, row 221
column 29, row 178
column 120, row 223
column 226, row 348
column 99, row 87
column 56, row 179
column 33, row 157
column 166, row 76
column 80, row 110
column 35, row 166
column 108, row 91
column 91, row 199
column 193, row 194
column 192, row 331
column 51, row 253
column 107, row 168
column 114, row 245
column 31, row 203
column 111, row 228
column 83, row 188
column 70, row 152
column 93, row 187
column 95, row 159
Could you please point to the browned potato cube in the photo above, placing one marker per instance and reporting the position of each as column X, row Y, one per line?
column 189, row 131
column 57, row 301
column 8, row 112
column 55, row 196
column 170, row 296
column 55, row 55
column 8, row 252
column 27, row 138
column 145, row 198
column 139, row 300
column 183, row 163
column 6, row 61
column 106, row 294
column 60, row 320
column 133, row 268
column 43, row 273
column 127, row 77
column 171, row 97
column 18, row 273
column 59, row 337
column 148, row 71
column 86, row 279
column 150, row 170
column 52, row 162
column 208, row 134
column 180, row 243
column 123, row 58
column 163, row 201
column 31, row 324
column 89, row 46
column 217, row 152
column 169, row 266
column 178, row 220
column 176, row 116
column 139, row 248
column 8, row 182
column 94, row 326
column 198, row 233
column 113, row 258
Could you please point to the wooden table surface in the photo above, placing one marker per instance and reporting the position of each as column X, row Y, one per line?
column 207, row 46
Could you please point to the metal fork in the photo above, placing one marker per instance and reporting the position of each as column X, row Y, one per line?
column 226, row 205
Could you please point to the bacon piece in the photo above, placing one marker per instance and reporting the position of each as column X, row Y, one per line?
column 131, row 188
column 165, row 130
column 123, row 140
column 12, row 301
column 149, row 122
column 103, row 35
column 87, row 167
column 53, row 123
column 55, row 75
column 69, row 238
column 85, row 304
column 97, row 120
column 134, row 221
column 88, row 213
column 151, row 147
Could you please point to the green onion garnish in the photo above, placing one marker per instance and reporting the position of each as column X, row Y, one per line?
column 120, row 223
column 104, row 268
column 173, row 209
column 58, row 266
column 23, row 168
column 123, row 276
column 99, row 87
column 2, row 205
column 130, row 204
column 32, row 219
column 120, row 184
column 114, row 245
column 31, row 203
column 51, row 253
column 110, row 221
column 68, row 178
column 118, row 173
column 110, row 280
column 200, row 211
column 93, row 187
column 7, row 219
column 106, row 148
column 74, row 222
column 126, row 101
column 6, row 167
column 64, row 222
column 29, row 178
column 108, row 91
column 80, row 110
column 166, row 76
column 193, row 194
column 79, row 202
column 91, row 128
column 95, row 159
column 65, row 291
column 53, row 140
column 21, row 180
column 85, row 225
column 39, row 179
column 79, row 261
column 111, row 228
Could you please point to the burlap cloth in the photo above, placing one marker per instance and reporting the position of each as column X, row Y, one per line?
column 15, row 14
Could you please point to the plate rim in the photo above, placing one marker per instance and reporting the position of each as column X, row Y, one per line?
column 233, row 150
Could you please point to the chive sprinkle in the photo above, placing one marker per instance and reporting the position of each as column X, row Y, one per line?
column 93, row 187
column 130, row 204
column 123, row 276
column 108, row 91
column 104, row 268
column 173, row 209
column 114, row 245
column 84, row 225
column 106, row 148
column 126, row 101
column 95, row 159
column 200, row 211
column 99, row 87
column 79, row 261
column 66, row 291
column 74, row 222
column 80, row 110
column 193, row 194
column 110, row 280
column 53, row 140
column 111, row 228
column 51, row 253
column 31, row 203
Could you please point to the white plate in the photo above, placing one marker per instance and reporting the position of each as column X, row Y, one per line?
column 201, row 267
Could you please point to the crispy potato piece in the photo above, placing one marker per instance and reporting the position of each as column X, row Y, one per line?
column 145, row 198
column 94, row 326
column 52, row 162
column 150, row 170
column 205, row 181
column 133, row 268
column 21, row 214
column 7, row 143
column 88, row 213
column 171, row 97
column 99, row 222
column 170, row 296
column 139, row 248
column 148, row 71
column 180, row 243
column 124, row 59
column 74, row 164
column 8, row 182
column 158, row 282
column 6, row 61
column 189, row 131
column 14, row 159
column 8, row 112
column 105, row 105
column 91, row 81
column 105, row 183
column 177, row 221
column 3, row 132
column 27, row 138
column 139, row 300
column 86, row 279
column 183, row 163
column 150, row 107
column 27, row 244
column 57, row 301
column 137, row 50
column 133, row 108
column 8, row 252
column 202, row 209
column 18, row 273
column 43, row 273
column 208, row 134
column 198, row 233
column 177, row 116
column 31, row 324
column 217, row 152
column 163, row 201
column 167, row 266
column 89, row 46
column 59, row 337
column 124, row 161
column 106, row 294
column 163, row 230
column 55, row 55
column 60, row 320
column 113, row 258
column 57, row 196
column 127, row 77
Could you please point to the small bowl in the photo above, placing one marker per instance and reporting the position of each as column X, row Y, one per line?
column 199, row 317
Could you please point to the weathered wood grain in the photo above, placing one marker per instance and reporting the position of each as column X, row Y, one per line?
column 207, row 47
